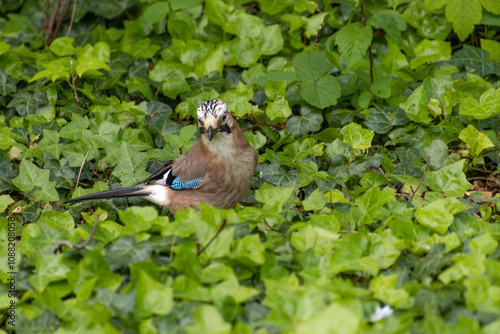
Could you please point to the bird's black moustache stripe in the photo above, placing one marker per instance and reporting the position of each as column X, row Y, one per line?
column 225, row 128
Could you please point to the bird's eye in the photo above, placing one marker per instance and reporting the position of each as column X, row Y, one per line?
column 224, row 118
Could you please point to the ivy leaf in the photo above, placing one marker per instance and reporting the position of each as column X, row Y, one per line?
column 5, row 201
column 55, row 69
column 273, row 197
column 450, row 179
column 6, row 87
column 368, row 205
column 488, row 105
column 131, row 166
column 153, row 297
column 89, row 63
column 315, row 201
column 416, row 106
column 468, row 265
column 26, row 103
column 156, row 12
column 30, row 176
column 138, row 85
column 63, row 46
column 308, row 121
column 493, row 49
column 474, row 58
column 76, row 129
column 277, row 174
column 392, row 22
column 382, row 121
column 278, row 108
column 429, row 51
column 357, row 137
column 6, row 140
column 483, row 244
column 353, row 40
column 475, row 140
column 438, row 215
column 207, row 319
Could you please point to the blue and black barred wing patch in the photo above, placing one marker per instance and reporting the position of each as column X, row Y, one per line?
column 176, row 184
column 180, row 185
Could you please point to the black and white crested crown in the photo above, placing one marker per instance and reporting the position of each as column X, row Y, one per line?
column 216, row 108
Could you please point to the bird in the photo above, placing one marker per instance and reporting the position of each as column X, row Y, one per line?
column 217, row 170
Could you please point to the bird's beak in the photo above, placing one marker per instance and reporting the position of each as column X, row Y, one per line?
column 212, row 132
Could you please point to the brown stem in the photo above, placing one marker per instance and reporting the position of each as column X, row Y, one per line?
column 81, row 167
column 270, row 227
column 50, row 26
column 347, row 225
column 47, row 8
column 73, row 13
column 490, row 149
column 59, row 22
column 213, row 238
column 72, row 84
column 421, row 180
column 59, row 245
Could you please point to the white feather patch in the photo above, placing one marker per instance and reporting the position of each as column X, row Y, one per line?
column 159, row 194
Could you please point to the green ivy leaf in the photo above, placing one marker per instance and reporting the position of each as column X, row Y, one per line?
column 475, row 140
column 416, row 106
column 488, row 105
column 438, row 215
column 483, row 244
column 474, row 58
column 450, row 179
column 156, row 12
column 357, row 137
column 278, row 108
column 273, row 197
column 392, row 22
column 493, row 49
column 5, row 201
column 63, row 46
column 30, row 177
column 368, row 205
column 248, row 251
column 315, row 201
column 429, row 51
column 131, row 167
column 382, row 121
column 207, row 319
column 153, row 297
column 467, row 265
column 307, row 121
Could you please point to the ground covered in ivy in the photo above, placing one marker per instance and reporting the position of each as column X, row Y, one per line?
column 374, row 207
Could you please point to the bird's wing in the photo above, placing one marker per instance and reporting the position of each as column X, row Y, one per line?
column 185, row 172
column 159, row 174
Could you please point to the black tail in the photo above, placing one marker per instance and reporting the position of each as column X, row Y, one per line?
column 113, row 193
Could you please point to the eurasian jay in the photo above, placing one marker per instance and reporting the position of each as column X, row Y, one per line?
column 217, row 170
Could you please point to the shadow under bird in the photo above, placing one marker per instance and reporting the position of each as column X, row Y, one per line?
column 217, row 170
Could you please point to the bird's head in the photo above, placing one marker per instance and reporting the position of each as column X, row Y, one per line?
column 214, row 118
